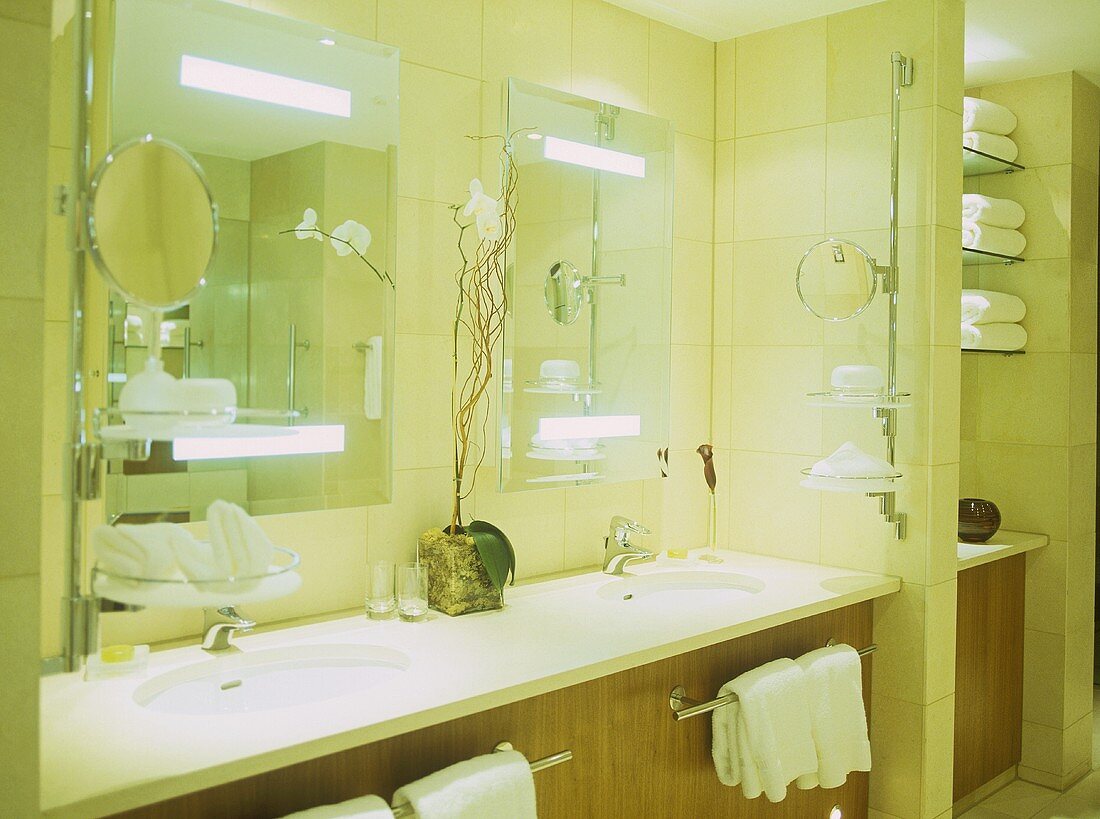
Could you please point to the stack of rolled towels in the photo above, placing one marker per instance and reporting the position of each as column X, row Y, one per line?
column 238, row 548
column 986, row 126
column 990, row 321
column 990, row 224
column 799, row 721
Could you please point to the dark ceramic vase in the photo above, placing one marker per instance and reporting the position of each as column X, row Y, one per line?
column 979, row 520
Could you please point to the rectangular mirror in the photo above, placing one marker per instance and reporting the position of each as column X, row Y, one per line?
column 588, row 336
column 283, row 116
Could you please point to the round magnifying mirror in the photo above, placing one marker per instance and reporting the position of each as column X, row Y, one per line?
column 152, row 223
column 562, row 292
column 836, row 280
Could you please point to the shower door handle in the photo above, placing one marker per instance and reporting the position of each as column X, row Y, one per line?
column 291, row 370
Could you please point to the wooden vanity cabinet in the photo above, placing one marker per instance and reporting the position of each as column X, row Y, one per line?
column 630, row 758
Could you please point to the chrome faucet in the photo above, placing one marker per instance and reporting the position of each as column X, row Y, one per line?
column 219, row 624
column 618, row 551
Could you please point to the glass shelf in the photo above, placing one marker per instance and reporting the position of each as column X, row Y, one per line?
column 566, row 454
column 860, row 400
column 973, row 257
column 858, row 484
column 170, row 425
column 976, row 163
column 994, row 352
column 579, row 477
column 554, row 386
column 279, row 581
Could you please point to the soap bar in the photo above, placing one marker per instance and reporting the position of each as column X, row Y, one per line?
column 109, row 662
column 865, row 377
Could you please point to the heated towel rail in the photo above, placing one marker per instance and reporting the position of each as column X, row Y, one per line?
column 683, row 707
column 406, row 810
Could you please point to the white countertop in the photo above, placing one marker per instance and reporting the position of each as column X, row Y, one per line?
column 102, row 753
column 1003, row 544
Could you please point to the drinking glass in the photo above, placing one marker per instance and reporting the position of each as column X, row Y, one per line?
column 412, row 591
column 380, row 599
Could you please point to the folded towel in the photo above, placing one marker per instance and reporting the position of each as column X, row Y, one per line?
column 363, row 807
column 996, row 145
column 983, row 115
column 834, row 680
column 992, row 211
column 196, row 558
column 240, row 547
column 991, row 307
column 776, row 739
column 493, row 786
column 142, row 551
column 849, row 461
column 978, row 236
column 993, row 337
column 723, row 742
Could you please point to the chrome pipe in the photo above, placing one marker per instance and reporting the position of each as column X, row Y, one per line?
column 291, row 369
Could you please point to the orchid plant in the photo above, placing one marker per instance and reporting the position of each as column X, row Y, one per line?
column 350, row 237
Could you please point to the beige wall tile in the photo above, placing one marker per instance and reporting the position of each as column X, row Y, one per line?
column 682, row 88
column 725, row 57
column 897, row 735
column 900, row 632
column 1044, row 666
column 588, row 513
column 937, row 761
column 26, row 11
column 675, row 508
column 1082, row 398
column 780, row 184
column 1077, row 700
column 939, row 664
column 533, row 521
column 443, row 34
column 1041, row 105
column 352, row 16
column 760, row 483
column 1086, row 124
column 949, row 38
column 1045, row 591
column 1044, row 193
column 1038, row 504
column 19, row 704
column 856, row 187
column 723, row 190
column 422, row 411
column 1082, row 307
column 693, row 213
column 766, row 309
column 722, row 317
column 692, row 302
column 52, row 556
column 689, row 396
column 525, row 40
column 1024, row 399
column 1082, row 494
column 721, row 407
column 1084, row 214
column 421, row 500
column 426, row 294
column 947, row 163
column 773, row 91
column 1044, row 287
column 617, row 73
column 772, row 415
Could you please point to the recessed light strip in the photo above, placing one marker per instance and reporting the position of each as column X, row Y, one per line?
column 590, row 426
column 237, row 81
column 590, row 156
column 306, row 440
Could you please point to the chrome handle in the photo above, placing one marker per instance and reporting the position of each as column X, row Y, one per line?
column 291, row 368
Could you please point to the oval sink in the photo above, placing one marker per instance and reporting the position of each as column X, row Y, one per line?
column 274, row 678
column 714, row 585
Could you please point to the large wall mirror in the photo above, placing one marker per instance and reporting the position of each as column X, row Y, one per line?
column 587, row 341
column 294, row 126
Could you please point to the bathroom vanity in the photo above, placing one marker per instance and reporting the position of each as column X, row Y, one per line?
column 583, row 663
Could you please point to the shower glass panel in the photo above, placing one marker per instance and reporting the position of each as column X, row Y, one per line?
column 281, row 116
column 585, row 393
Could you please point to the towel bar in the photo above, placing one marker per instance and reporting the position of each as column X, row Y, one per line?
column 406, row 810
column 683, row 707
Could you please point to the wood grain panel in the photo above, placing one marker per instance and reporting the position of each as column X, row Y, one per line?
column 631, row 759
column 989, row 672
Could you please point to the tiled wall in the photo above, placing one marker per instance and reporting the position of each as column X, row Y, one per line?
column 24, row 99
column 455, row 57
column 1029, row 422
column 803, row 153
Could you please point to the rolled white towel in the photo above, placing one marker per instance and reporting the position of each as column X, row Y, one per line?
column 993, row 337
column 996, row 145
column 362, row 807
column 723, row 740
column 849, row 461
column 491, row 786
column 988, row 210
column 983, row 115
column 196, row 558
column 142, row 551
column 1006, row 242
column 991, row 307
column 240, row 546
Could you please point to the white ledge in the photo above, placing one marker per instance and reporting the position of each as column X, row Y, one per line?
column 1003, row 544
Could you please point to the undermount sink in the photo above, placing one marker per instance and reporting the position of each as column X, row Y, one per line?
column 705, row 584
column 270, row 679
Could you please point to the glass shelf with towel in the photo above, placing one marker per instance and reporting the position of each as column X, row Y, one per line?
column 976, row 163
column 864, row 485
column 973, row 257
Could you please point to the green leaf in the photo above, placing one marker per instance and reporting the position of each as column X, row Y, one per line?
column 495, row 551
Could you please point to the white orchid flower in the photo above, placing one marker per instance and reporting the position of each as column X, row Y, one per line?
column 307, row 229
column 480, row 202
column 489, row 226
column 354, row 236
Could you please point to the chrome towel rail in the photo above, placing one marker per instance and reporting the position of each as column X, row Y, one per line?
column 536, row 766
column 683, row 707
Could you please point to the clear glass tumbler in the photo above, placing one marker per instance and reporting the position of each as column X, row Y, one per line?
column 380, row 597
column 412, row 591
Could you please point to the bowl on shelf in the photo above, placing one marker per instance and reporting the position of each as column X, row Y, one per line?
column 979, row 520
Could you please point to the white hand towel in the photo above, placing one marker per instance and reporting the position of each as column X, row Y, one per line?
column 996, row 145
column 978, row 236
column 777, row 727
column 363, row 807
column 849, row 461
column 196, row 558
column 983, row 115
column 723, row 743
column 240, row 547
column 993, row 337
column 991, row 307
column 992, row 211
column 834, row 680
column 140, row 551
column 491, row 786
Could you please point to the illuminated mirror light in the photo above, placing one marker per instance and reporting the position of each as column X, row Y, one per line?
column 306, row 440
column 602, row 159
column 237, row 81
column 590, row 426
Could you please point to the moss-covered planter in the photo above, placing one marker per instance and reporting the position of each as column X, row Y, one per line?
column 457, row 580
